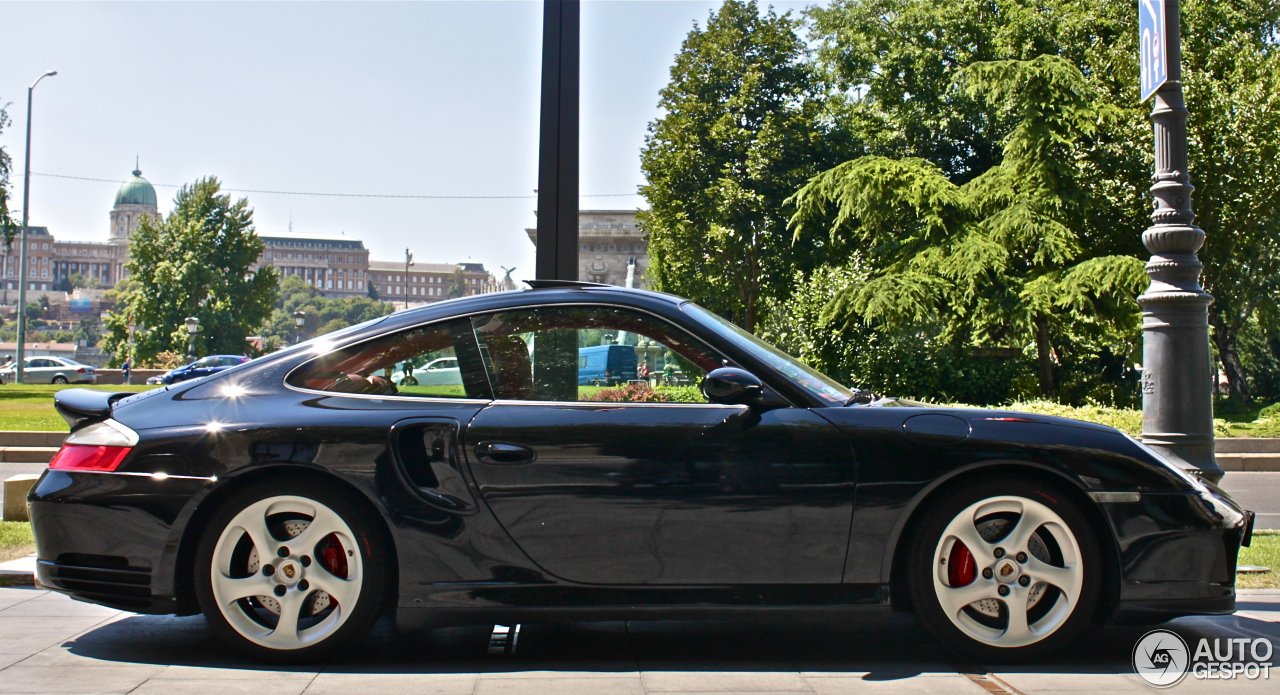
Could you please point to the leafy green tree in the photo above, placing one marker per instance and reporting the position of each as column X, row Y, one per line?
column 999, row 258
column 896, row 60
column 743, row 127
column 323, row 314
column 457, row 284
column 196, row 262
column 373, row 291
column 8, row 226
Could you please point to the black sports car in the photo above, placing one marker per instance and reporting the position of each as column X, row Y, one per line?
column 296, row 498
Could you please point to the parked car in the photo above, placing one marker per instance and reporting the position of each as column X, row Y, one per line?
column 52, row 370
column 201, row 367
column 297, row 498
column 606, row 365
column 438, row 372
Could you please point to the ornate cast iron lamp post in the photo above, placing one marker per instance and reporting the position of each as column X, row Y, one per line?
column 1177, row 398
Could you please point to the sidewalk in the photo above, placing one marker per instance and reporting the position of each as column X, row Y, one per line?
column 51, row 644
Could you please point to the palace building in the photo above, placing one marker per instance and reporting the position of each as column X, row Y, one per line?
column 336, row 264
column 610, row 246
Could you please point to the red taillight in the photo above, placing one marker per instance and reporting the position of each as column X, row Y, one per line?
column 80, row 370
column 83, row 457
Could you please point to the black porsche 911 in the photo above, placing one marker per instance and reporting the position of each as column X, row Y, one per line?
column 296, row 498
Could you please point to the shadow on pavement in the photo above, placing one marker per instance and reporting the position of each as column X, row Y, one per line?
column 884, row 649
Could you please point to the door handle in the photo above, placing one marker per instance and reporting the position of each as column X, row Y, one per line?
column 504, row 454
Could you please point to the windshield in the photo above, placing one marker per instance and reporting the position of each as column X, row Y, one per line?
column 813, row 381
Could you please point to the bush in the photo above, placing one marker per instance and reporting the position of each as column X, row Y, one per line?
column 643, row 393
column 168, row 359
column 631, row 393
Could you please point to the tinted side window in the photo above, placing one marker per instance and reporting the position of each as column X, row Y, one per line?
column 604, row 354
column 395, row 364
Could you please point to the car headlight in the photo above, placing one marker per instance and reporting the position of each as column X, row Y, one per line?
column 1177, row 470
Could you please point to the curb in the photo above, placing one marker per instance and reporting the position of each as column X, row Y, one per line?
column 20, row 572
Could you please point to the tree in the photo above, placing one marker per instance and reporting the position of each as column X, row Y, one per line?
column 373, row 291
column 1000, row 258
column 196, row 262
column 895, row 61
column 743, row 128
column 323, row 314
column 8, row 227
column 457, row 285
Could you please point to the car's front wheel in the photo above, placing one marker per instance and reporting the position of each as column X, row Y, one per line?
column 1005, row 571
column 290, row 571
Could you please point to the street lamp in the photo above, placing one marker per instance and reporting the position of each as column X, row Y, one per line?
column 1177, row 396
column 299, row 320
column 22, row 245
column 193, row 327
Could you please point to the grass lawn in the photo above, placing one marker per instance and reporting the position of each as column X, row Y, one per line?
column 30, row 406
column 1265, row 551
column 15, row 540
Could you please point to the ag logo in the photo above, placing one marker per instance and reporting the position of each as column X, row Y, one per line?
column 1161, row 658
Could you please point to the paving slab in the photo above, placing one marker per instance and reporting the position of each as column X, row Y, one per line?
column 72, row 679
column 560, row 686
column 384, row 683
column 926, row 684
column 57, row 645
column 723, row 682
column 220, row 686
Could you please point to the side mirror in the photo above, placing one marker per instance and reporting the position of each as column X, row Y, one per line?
column 732, row 386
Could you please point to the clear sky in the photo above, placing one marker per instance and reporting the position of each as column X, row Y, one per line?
column 403, row 98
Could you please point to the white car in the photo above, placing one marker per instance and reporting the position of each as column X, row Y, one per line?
column 437, row 372
column 52, row 370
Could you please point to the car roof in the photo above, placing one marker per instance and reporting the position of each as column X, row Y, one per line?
column 541, row 292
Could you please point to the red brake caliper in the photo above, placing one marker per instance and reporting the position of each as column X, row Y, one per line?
column 960, row 567
column 335, row 561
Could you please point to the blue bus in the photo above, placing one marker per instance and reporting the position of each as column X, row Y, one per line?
column 606, row 365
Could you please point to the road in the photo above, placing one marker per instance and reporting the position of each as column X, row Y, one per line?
column 1259, row 493
column 51, row 644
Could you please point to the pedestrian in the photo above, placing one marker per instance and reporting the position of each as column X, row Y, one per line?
column 126, row 375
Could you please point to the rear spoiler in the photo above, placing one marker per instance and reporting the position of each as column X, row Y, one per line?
column 83, row 406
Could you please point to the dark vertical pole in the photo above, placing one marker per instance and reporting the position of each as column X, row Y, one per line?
column 1177, row 396
column 558, row 142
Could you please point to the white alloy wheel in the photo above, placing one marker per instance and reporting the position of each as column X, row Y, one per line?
column 1008, row 571
column 286, row 572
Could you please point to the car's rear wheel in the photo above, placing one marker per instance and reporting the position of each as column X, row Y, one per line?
column 59, row 379
column 1005, row 571
column 290, row 571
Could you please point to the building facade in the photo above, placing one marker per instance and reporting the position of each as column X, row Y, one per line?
column 611, row 247
column 425, row 282
column 336, row 264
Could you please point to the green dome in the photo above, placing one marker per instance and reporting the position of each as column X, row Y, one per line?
column 136, row 191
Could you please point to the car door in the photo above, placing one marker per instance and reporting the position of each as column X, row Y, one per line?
column 406, row 435
column 40, row 371
column 599, row 486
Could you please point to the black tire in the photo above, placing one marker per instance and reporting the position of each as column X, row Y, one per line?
column 963, row 634
column 374, row 561
column 59, row 380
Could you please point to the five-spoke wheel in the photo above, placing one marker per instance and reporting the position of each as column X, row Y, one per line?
column 289, row 571
column 1004, row 570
